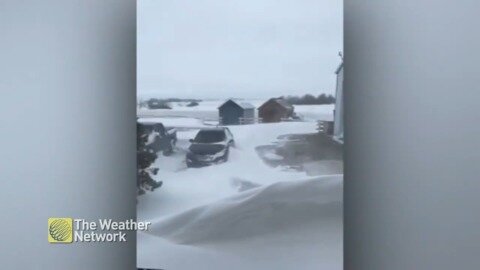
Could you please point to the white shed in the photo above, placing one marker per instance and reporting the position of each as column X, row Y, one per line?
column 338, row 112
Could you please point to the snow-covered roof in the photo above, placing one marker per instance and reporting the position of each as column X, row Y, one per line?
column 246, row 105
column 213, row 128
column 243, row 105
column 284, row 103
column 279, row 101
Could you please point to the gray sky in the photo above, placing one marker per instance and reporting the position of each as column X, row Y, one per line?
column 238, row 48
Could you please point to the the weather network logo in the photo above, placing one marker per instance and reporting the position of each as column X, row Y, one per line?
column 69, row 230
column 60, row 230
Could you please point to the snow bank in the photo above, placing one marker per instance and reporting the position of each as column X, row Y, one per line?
column 282, row 226
column 277, row 208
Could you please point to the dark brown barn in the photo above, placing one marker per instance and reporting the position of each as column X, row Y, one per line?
column 274, row 110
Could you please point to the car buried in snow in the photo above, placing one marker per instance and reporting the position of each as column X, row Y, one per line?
column 210, row 146
column 159, row 137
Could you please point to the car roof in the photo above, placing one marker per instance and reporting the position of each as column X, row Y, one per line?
column 213, row 129
column 219, row 129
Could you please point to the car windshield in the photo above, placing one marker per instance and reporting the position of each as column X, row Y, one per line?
column 210, row 136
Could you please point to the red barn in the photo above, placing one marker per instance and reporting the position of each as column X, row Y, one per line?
column 275, row 110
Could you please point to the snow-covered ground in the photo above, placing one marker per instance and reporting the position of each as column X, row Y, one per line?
column 242, row 214
column 315, row 112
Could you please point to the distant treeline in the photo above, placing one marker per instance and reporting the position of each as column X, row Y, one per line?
column 157, row 103
column 180, row 100
column 310, row 99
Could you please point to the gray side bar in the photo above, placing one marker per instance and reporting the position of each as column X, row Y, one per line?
column 412, row 174
column 67, row 125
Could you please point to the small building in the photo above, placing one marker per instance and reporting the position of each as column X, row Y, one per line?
column 236, row 113
column 338, row 112
column 275, row 110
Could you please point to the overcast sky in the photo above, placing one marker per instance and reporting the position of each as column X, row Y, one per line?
column 238, row 48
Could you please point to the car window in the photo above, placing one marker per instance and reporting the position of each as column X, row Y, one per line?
column 229, row 133
column 210, row 136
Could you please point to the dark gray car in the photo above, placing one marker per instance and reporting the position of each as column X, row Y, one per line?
column 210, row 146
column 160, row 138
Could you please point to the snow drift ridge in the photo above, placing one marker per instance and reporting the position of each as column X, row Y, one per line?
column 279, row 207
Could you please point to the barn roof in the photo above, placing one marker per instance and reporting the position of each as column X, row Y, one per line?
column 282, row 102
column 243, row 105
column 246, row 105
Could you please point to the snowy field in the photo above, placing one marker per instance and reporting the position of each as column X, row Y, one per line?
column 242, row 214
column 209, row 110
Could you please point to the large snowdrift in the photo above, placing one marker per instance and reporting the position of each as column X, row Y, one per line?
column 279, row 207
column 285, row 225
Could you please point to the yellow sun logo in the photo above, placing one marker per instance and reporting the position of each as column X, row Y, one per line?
column 60, row 230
